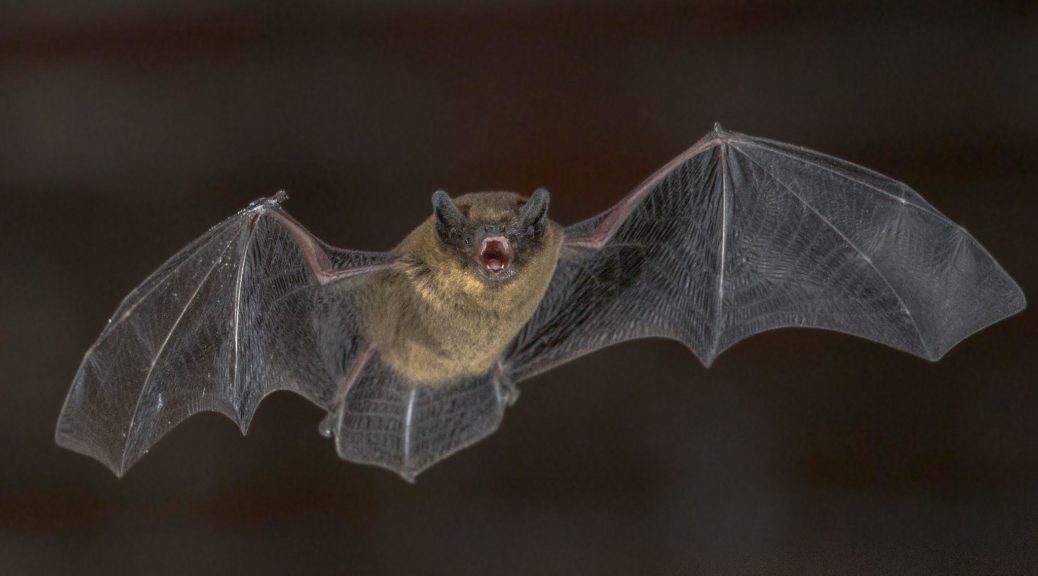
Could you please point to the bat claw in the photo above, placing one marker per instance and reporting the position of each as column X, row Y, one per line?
column 268, row 202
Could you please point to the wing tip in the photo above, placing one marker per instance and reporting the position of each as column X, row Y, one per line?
column 72, row 444
column 65, row 435
column 1016, row 305
column 1021, row 304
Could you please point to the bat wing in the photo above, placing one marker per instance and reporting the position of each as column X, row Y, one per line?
column 739, row 235
column 224, row 322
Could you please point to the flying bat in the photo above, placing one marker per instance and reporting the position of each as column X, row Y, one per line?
column 415, row 353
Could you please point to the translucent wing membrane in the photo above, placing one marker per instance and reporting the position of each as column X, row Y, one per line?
column 223, row 323
column 741, row 235
column 734, row 237
column 391, row 422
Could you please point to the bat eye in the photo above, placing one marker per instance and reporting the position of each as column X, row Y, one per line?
column 495, row 253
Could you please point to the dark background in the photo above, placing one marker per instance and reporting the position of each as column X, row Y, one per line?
column 126, row 131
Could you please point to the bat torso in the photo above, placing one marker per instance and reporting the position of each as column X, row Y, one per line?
column 431, row 319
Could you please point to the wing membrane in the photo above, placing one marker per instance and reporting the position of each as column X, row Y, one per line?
column 740, row 235
column 223, row 323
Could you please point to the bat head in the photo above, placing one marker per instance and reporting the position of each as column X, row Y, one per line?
column 492, row 233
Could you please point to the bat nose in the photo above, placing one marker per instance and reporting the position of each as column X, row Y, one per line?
column 495, row 253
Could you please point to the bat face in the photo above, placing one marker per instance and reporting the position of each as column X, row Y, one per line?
column 491, row 234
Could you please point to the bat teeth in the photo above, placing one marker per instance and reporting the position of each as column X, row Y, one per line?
column 495, row 253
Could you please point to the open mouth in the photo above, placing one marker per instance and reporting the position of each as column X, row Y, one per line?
column 495, row 254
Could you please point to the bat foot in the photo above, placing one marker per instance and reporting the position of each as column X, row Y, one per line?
column 509, row 393
column 327, row 426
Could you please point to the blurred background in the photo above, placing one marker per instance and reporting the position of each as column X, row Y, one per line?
column 127, row 129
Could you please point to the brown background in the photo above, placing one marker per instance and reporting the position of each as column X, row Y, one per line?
column 125, row 131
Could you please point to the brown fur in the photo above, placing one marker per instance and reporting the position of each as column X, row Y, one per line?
column 433, row 319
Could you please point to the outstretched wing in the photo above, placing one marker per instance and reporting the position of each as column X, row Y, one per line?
column 223, row 323
column 739, row 235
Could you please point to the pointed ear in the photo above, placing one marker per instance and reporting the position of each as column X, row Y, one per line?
column 448, row 216
column 534, row 211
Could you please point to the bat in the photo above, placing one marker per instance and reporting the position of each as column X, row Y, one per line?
column 415, row 353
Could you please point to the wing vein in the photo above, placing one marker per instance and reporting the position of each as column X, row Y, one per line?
column 848, row 177
column 850, row 243
column 719, row 318
column 162, row 349
column 408, row 417
column 239, row 283
column 158, row 284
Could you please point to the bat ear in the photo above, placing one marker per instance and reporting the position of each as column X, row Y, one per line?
column 535, row 209
column 448, row 216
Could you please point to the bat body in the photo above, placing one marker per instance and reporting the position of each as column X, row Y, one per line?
column 415, row 353
column 433, row 319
